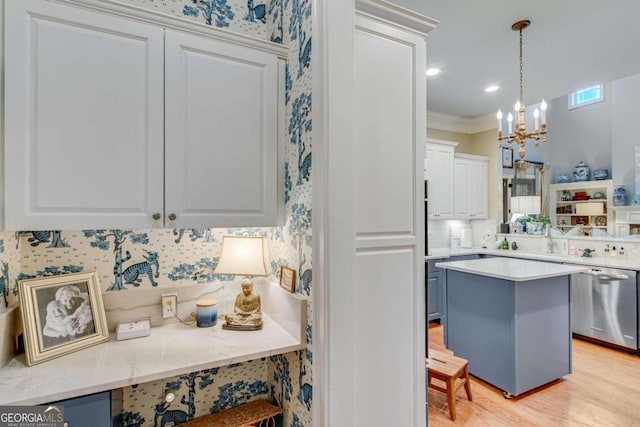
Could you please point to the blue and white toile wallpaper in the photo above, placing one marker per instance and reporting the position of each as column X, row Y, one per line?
column 127, row 259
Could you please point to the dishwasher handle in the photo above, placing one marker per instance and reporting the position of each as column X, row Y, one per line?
column 609, row 276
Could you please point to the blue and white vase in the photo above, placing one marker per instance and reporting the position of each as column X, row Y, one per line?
column 619, row 196
column 581, row 172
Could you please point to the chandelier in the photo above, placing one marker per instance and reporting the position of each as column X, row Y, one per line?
column 519, row 134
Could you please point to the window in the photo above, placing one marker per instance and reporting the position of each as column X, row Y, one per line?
column 586, row 96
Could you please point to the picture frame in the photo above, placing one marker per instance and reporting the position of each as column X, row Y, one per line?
column 288, row 279
column 507, row 157
column 61, row 314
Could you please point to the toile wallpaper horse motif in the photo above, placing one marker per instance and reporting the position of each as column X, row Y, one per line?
column 126, row 259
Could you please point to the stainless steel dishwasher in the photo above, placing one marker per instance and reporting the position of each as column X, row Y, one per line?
column 604, row 306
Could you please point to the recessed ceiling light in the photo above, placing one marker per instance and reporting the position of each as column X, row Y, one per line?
column 491, row 88
column 433, row 72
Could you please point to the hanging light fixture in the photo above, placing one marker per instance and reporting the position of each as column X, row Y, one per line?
column 519, row 135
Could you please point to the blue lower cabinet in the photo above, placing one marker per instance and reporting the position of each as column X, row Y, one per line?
column 437, row 287
column 87, row 411
column 435, row 292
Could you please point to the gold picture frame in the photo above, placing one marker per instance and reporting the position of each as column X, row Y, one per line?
column 288, row 279
column 61, row 314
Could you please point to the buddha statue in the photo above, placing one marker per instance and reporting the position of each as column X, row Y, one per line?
column 246, row 314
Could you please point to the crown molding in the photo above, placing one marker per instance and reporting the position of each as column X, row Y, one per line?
column 390, row 12
column 459, row 124
column 149, row 16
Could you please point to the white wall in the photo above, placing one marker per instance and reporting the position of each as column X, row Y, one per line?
column 581, row 134
column 604, row 134
column 624, row 118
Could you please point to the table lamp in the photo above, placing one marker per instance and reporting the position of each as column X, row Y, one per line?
column 244, row 256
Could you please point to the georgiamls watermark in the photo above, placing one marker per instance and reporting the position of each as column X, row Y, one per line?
column 32, row 416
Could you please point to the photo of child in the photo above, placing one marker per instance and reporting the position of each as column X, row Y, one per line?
column 68, row 315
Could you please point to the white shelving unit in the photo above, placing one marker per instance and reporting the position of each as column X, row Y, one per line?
column 627, row 220
column 566, row 206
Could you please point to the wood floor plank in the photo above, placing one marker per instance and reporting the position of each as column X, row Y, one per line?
column 602, row 391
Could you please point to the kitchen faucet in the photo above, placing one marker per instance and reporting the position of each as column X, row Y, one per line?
column 550, row 242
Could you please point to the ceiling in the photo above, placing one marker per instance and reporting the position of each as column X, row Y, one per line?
column 569, row 45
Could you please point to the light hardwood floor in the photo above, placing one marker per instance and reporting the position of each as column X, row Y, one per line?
column 603, row 391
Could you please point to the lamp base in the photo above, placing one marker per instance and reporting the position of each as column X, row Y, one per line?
column 242, row 327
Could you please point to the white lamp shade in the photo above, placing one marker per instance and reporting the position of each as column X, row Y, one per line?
column 528, row 205
column 242, row 256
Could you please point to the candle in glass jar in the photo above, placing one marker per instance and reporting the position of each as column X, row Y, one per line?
column 206, row 312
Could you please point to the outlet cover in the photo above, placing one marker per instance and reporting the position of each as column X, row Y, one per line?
column 169, row 305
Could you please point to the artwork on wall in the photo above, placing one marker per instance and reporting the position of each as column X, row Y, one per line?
column 507, row 157
column 288, row 279
column 61, row 314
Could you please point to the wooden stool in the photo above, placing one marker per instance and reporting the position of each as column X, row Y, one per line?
column 448, row 368
column 248, row 413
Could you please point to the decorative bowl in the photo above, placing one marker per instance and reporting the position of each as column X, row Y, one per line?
column 563, row 179
column 599, row 174
column 598, row 195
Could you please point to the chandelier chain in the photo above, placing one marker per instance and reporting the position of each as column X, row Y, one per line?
column 521, row 73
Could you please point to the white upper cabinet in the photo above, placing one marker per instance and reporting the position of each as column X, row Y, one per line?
column 439, row 173
column 471, row 189
column 83, row 118
column 221, row 142
column 117, row 123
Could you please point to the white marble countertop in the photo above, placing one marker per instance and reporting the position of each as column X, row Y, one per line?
column 517, row 270
column 169, row 350
column 630, row 263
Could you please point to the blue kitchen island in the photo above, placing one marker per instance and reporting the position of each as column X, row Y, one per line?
column 510, row 319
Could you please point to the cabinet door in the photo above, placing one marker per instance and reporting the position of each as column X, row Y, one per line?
column 390, row 126
column 84, row 138
column 435, row 288
column 93, row 410
column 478, row 189
column 463, row 193
column 471, row 191
column 221, row 146
column 440, row 160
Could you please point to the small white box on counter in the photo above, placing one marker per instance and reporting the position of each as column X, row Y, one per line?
column 135, row 329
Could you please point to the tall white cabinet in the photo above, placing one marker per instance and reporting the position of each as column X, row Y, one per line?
column 123, row 123
column 390, row 126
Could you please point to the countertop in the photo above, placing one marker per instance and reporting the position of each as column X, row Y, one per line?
column 169, row 350
column 517, row 270
column 629, row 263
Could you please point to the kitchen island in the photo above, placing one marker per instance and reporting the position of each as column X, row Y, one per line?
column 510, row 319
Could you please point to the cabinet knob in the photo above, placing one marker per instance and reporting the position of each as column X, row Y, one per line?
column 172, row 217
column 156, row 216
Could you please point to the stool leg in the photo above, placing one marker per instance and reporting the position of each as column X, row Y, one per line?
column 467, row 384
column 451, row 397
